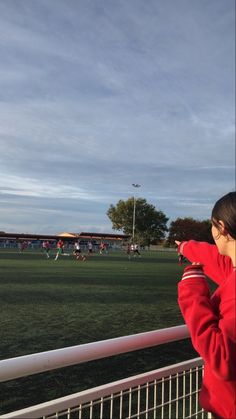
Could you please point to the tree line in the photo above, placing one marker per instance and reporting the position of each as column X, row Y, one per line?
column 151, row 224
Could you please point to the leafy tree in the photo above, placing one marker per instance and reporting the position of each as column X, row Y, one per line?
column 150, row 224
column 188, row 228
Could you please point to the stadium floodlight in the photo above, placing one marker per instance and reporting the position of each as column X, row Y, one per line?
column 135, row 185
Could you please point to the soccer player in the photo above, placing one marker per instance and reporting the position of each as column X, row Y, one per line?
column 90, row 247
column 128, row 251
column 136, row 251
column 77, row 252
column 60, row 247
column 46, row 248
column 102, row 248
column 22, row 246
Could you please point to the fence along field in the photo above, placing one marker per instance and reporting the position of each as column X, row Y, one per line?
column 47, row 304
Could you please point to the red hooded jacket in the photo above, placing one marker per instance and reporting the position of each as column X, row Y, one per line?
column 211, row 320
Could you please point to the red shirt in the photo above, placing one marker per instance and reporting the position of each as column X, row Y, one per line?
column 211, row 320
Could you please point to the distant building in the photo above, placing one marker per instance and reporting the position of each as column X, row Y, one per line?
column 96, row 238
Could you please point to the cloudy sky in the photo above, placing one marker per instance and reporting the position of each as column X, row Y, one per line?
column 97, row 95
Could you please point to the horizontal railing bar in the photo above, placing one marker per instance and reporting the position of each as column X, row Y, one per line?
column 22, row 366
column 62, row 404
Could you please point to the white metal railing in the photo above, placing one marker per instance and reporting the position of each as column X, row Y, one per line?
column 169, row 392
column 46, row 361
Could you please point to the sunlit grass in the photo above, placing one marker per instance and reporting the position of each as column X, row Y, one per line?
column 47, row 304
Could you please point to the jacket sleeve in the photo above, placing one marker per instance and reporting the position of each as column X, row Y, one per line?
column 215, row 265
column 213, row 337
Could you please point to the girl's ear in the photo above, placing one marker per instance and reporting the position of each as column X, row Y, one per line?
column 223, row 229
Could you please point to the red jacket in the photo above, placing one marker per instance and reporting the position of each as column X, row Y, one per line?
column 212, row 323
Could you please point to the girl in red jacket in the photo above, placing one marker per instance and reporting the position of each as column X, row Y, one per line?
column 211, row 319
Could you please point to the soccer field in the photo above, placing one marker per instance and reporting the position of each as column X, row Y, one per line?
column 47, row 304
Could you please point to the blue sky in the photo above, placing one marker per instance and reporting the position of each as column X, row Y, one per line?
column 97, row 95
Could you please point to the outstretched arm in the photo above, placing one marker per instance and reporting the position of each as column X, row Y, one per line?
column 216, row 266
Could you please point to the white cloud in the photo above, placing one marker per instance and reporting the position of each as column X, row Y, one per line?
column 97, row 95
column 25, row 187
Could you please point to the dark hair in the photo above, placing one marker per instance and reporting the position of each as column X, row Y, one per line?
column 225, row 210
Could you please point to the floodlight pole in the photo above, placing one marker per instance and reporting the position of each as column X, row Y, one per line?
column 135, row 185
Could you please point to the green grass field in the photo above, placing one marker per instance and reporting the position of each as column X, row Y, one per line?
column 47, row 304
